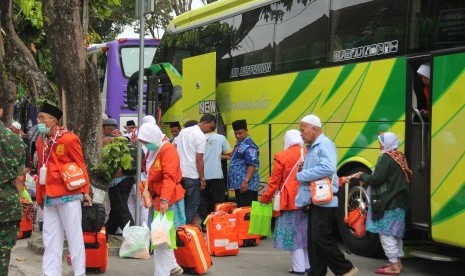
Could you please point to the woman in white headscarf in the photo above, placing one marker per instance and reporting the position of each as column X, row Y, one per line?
column 163, row 171
column 389, row 200
column 290, row 232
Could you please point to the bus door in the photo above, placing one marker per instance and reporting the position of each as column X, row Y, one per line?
column 448, row 148
column 199, row 86
column 417, row 146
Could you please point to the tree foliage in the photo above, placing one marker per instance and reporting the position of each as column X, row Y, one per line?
column 116, row 156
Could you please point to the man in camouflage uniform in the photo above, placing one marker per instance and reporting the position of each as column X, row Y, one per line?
column 12, row 160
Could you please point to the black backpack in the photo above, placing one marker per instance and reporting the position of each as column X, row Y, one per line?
column 93, row 217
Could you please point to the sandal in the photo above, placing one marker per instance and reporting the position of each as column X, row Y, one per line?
column 386, row 271
column 295, row 272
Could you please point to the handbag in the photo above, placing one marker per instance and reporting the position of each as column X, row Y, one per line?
column 145, row 193
column 93, row 217
column 355, row 218
column 277, row 196
column 260, row 219
column 321, row 190
column 72, row 174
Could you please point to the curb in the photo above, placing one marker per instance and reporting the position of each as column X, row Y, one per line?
column 36, row 245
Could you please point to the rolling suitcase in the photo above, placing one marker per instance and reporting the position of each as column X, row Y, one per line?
column 222, row 234
column 26, row 223
column 243, row 221
column 96, row 250
column 191, row 253
column 226, row 207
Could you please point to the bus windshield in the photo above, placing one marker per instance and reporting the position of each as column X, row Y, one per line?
column 117, row 61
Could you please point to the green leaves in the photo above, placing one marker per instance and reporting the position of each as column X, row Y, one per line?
column 116, row 156
column 32, row 12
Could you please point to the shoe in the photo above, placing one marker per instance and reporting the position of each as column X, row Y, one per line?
column 352, row 272
column 176, row 271
column 382, row 270
column 295, row 272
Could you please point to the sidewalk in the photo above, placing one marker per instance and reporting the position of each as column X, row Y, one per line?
column 262, row 260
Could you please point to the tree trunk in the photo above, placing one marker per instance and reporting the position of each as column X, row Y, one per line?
column 76, row 77
column 18, row 66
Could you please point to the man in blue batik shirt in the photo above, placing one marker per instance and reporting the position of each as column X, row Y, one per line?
column 243, row 167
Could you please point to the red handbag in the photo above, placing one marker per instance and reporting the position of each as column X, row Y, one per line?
column 355, row 219
column 72, row 175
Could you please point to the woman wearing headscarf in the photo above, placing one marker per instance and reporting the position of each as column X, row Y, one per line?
column 161, row 165
column 389, row 200
column 290, row 232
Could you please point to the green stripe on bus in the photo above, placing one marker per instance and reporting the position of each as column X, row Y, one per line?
column 345, row 73
column 448, row 71
column 388, row 98
column 298, row 87
column 452, row 208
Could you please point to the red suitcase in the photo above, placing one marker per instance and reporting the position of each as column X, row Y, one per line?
column 222, row 234
column 225, row 207
column 191, row 253
column 96, row 250
column 243, row 221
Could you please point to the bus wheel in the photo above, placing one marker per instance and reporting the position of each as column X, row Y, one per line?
column 367, row 245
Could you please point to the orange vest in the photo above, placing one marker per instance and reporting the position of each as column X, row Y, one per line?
column 165, row 176
column 66, row 149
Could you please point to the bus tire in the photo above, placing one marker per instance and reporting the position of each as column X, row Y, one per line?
column 369, row 245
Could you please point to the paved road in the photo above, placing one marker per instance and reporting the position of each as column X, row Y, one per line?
column 262, row 260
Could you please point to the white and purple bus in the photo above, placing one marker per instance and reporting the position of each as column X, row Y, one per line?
column 117, row 61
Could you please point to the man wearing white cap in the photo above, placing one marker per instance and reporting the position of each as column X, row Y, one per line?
column 320, row 162
column 16, row 128
column 424, row 71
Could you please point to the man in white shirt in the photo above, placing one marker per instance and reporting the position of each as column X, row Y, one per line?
column 190, row 144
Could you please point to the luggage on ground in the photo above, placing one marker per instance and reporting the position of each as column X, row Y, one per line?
column 191, row 253
column 243, row 221
column 96, row 250
column 226, row 207
column 26, row 223
column 222, row 234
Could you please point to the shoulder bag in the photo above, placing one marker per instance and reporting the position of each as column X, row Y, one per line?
column 321, row 190
column 72, row 174
column 277, row 196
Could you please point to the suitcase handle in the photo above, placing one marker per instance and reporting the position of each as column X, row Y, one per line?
column 95, row 245
column 92, row 245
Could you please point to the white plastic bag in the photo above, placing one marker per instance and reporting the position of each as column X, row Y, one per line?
column 136, row 241
column 161, row 228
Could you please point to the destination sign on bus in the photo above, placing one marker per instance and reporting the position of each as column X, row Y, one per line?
column 255, row 69
column 382, row 48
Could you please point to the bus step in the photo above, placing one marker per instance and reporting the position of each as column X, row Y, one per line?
column 433, row 256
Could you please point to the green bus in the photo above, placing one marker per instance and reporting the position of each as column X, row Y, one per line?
column 353, row 63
